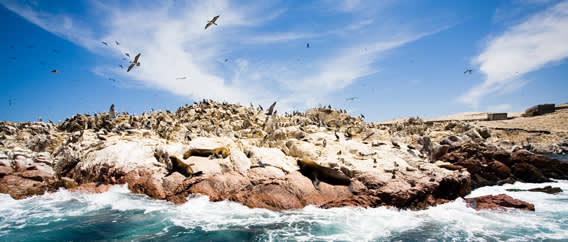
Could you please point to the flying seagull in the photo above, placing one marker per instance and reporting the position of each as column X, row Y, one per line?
column 271, row 109
column 212, row 21
column 121, row 67
column 181, row 78
column 351, row 98
column 134, row 63
column 55, row 71
column 104, row 43
column 126, row 54
column 467, row 71
column 111, row 79
column 116, row 42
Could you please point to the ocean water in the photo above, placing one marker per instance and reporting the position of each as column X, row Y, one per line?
column 121, row 215
column 563, row 157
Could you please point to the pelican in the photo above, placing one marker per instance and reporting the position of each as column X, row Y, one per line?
column 212, row 21
column 134, row 63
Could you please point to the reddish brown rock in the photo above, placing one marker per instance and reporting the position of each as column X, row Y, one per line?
column 492, row 166
column 91, row 187
column 500, row 201
column 5, row 170
column 19, row 187
column 500, row 169
column 145, row 182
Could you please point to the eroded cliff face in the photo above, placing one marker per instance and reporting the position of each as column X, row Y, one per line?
column 323, row 157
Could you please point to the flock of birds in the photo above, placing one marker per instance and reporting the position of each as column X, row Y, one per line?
column 136, row 62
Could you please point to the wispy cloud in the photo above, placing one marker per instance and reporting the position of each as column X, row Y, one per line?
column 173, row 43
column 523, row 48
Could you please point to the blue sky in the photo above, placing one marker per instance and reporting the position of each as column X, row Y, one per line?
column 399, row 58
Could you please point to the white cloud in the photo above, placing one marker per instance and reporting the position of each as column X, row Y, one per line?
column 526, row 47
column 173, row 43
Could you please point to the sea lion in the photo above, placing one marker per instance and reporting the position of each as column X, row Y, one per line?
column 180, row 166
column 318, row 173
column 217, row 152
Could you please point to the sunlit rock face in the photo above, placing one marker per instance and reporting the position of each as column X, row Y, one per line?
column 322, row 157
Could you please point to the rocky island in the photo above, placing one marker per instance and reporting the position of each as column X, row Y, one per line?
column 322, row 157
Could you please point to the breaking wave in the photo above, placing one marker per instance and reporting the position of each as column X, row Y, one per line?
column 120, row 214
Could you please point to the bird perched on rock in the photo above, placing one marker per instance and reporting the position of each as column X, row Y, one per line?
column 211, row 22
column 134, row 63
column 271, row 109
column 467, row 71
column 112, row 113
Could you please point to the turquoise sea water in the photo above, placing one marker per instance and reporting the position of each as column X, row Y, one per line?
column 122, row 215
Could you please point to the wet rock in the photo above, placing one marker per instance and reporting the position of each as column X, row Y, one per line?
column 146, row 182
column 498, row 202
column 528, row 173
column 547, row 189
column 91, row 187
column 19, row 187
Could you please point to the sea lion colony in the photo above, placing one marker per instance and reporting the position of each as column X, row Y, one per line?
column 323, row 157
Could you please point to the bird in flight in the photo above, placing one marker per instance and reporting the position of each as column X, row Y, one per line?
column 212, row 21
column 116, row 42
column 134, row 63
column 111, row 79
column 126, row 54
column 467, row 71
column 104, row 43
column 308, row 45
column 55, row 71
column 121, row 67
column 351, row 98
column 271, row 109
column 181, row 78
